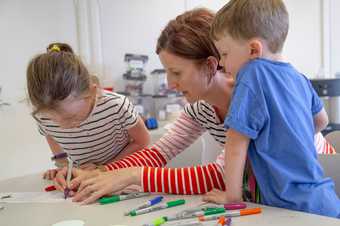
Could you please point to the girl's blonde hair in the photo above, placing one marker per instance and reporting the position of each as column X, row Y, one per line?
column 53, row 76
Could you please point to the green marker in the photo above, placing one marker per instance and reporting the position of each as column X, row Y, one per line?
column 158, row 207
column 117, row 198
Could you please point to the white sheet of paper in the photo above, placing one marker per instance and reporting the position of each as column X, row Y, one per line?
column 34, row 197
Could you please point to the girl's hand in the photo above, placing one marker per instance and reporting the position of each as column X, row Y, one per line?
column 106, row 183
column 78, row 175
column 50, row 174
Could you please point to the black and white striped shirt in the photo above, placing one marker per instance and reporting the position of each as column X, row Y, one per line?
column 206, row 116
column 102, row 136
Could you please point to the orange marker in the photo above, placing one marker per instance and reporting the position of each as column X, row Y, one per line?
column 232, row 213
column 221, row 221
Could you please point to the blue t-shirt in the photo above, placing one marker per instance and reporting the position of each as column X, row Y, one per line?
column 274, row 105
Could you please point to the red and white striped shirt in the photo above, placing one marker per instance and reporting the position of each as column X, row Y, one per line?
column 191, row 124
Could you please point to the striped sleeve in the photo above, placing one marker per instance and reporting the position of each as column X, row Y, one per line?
column 39, row 125
column 127, row 112
column 181, row 135
column 187, row 181
column 145, row 157
column 183, row 132
column 322, row 145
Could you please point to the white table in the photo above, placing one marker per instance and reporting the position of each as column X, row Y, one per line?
column 38, row 214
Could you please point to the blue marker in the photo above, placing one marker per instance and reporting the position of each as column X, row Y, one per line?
column 147, row 204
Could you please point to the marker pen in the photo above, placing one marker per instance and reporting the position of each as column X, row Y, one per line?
column 232, row 213
column 117, row 198
column 147, row 204
column 158, row 207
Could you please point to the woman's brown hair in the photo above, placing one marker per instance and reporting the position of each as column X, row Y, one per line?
column 187, row 36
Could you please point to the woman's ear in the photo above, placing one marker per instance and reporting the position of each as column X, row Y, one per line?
column 256, row 48
column 212, row 63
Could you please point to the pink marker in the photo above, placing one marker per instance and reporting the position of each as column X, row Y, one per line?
column 235, row 206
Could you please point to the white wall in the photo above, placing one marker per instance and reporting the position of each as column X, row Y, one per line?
column 143, row 21
column 26, row 29
column 335, row 37
column 132, row 26
column 126, row 26
column 303, row 47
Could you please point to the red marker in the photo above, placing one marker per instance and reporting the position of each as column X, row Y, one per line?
column 50, row 188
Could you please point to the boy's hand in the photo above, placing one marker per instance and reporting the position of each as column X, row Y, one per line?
column 216, row 196
column 106, row 183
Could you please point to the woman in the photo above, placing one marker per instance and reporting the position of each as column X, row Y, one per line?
column 190, row 60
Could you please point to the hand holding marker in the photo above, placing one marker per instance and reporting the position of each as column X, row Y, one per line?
column 147, row 204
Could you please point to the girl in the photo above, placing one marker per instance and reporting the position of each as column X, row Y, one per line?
column 76, row 117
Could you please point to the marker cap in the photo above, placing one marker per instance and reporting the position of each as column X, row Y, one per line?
column 235, row 206
column 175, row 203
column 106, row 200
column 250, row 211
column 156, row 200
column 159, row 221
column 133, row 213
column 214, row 211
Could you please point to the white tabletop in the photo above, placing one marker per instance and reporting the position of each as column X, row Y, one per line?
column 47, row 214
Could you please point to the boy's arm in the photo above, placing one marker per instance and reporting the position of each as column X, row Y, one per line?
column 140, row 138
column 320, row 120
column 236, row 147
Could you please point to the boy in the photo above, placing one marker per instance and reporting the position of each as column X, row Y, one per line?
column 273, row 113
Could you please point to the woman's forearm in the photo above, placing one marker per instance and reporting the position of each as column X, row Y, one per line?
column 188, row 180
column 145, row 157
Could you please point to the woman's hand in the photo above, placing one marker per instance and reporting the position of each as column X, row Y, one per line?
column 78, row 175
column 106, row 183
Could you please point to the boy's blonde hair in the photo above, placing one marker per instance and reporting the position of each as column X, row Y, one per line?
column 246, row 19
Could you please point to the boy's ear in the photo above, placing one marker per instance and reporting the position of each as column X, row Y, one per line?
column 256, row 48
